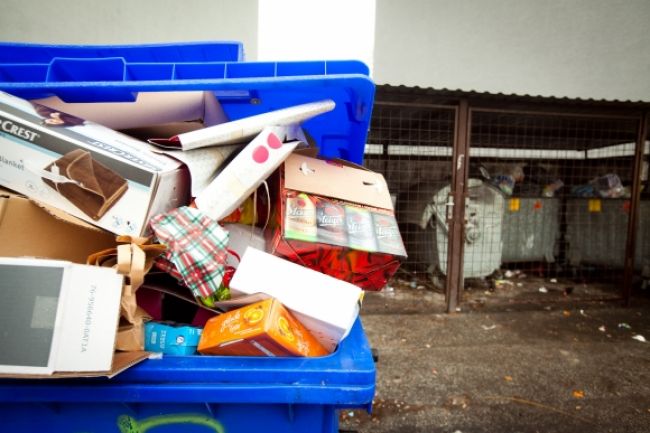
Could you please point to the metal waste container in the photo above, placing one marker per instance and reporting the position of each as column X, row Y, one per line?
column 531, row 228
column 483, row 228
column 596, row 232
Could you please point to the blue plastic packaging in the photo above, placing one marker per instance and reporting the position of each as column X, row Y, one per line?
column 200, row 393
column 171, row 339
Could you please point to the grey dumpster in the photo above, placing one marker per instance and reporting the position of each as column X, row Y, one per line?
column 596, row 232
column 531, row 227
column 483, row 230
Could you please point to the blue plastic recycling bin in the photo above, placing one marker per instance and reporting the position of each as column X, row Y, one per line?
column 200, row 393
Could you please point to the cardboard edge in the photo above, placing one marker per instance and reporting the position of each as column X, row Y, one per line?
column 52, row 211
column 121, row 362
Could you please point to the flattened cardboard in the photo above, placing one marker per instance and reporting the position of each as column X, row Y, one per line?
column 31, row 230
column 336, row 180
column 121, row 361
column 150, row 108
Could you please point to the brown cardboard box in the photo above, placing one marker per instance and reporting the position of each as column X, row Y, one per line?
column 29, row 229
column 338, row 219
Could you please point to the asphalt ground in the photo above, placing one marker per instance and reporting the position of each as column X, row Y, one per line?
column 513, row 360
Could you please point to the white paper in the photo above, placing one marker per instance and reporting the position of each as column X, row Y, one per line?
column 203, row 164
column 237, row 130
column 246, row 172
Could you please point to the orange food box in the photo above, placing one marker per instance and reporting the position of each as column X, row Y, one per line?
column 265, row 328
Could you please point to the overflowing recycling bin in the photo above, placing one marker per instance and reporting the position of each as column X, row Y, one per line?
column 197, row 186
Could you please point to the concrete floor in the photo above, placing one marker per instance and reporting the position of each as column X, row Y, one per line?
column 557, row 364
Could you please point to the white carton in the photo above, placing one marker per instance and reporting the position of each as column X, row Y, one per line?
column 57, row 316
column 326, row 306
column 87, row 170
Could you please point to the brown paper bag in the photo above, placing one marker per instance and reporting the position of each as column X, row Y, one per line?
column 133, row 258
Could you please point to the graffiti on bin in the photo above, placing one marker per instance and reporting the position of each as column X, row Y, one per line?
column 129, row 424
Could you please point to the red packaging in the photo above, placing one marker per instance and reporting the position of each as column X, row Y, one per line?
column 337, row 219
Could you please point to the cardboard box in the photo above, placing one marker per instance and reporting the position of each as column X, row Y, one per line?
column 62, row 316
column 338, row 219
column 87, row 170
column 31, row 230
column 265, row 328
column 171, row 339
column 326, row 306
column 28, row 229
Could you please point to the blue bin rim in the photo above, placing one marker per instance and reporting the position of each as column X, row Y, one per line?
column 345, row 378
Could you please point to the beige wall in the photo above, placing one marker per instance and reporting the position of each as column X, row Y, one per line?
column 130, row 21
column 574, row 48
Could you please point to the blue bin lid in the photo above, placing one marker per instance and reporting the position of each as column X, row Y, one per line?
column 111, row 74
column 345, row 378
column 207, row 51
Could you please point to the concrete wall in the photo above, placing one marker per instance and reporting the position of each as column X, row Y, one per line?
column 574, row 48
column 129, row 21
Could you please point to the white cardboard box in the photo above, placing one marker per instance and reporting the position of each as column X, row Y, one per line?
column 326, row 306
column 59, row 165
column 57, row 316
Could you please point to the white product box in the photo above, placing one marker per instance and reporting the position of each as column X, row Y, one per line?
column 326, row 306
column 57, row 317
column 87, row 170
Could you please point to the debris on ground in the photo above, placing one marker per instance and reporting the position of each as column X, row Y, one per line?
column 553, row 280
column 461, row 401
column 507, row 378
column 543, row 290
column 502, row 284
column 488, row 328
column 640, row 338
column 624, row 325
column 602, row 328
column 566, row 313
column 509, row 274
column 578, row 393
